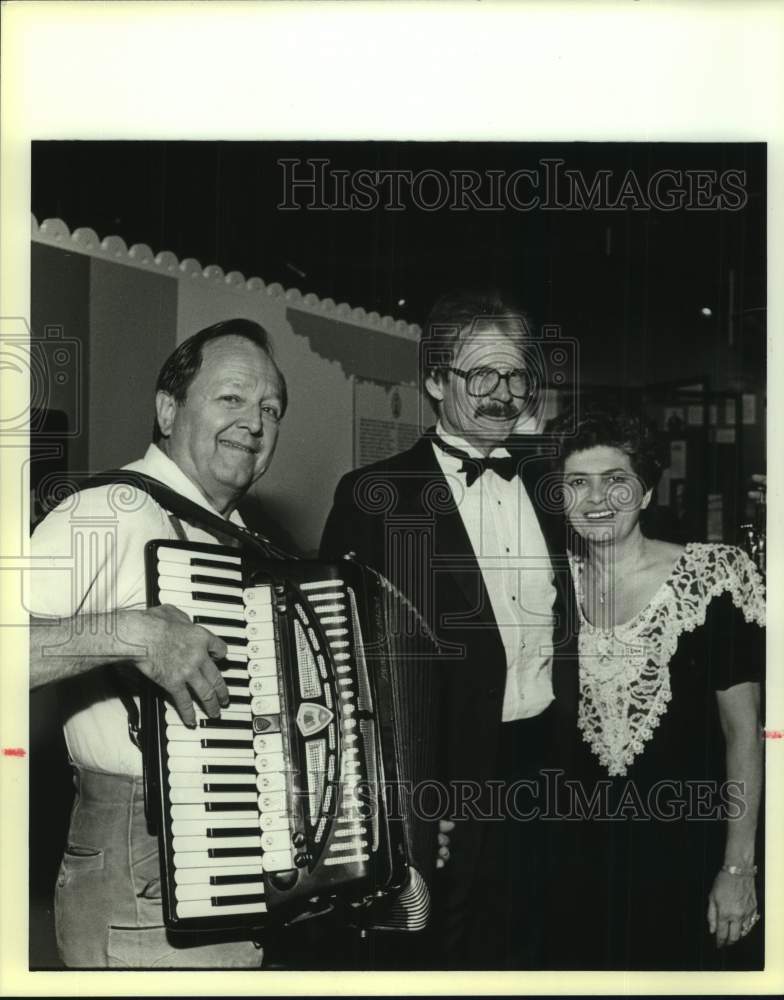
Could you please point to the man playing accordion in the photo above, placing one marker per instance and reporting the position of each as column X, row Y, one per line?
column 219, row 401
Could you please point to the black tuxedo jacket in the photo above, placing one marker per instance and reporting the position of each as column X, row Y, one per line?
column 399, row 517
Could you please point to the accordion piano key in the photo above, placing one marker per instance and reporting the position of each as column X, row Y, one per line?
column 212, row 827
column 276, row 840
column 185, row 748
column 172, row 569
column 273, row 781
column 199, row 811
column 250, row 870
column 199, row 795
column 196, row 909
column 206, row 891
column 277, row 861
column 183, row 844
column 207, row 861
column 197, row 779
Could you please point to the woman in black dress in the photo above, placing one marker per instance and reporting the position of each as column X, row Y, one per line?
column 658, row 862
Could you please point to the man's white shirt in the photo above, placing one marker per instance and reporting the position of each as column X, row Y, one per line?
column 88, row 555
column 510, row 549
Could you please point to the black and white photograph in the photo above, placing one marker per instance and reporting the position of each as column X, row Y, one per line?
column 393, row 544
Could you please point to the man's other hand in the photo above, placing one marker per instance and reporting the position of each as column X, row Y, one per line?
column 445, row 827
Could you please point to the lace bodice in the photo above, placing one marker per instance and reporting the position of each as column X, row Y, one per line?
column 624, row 671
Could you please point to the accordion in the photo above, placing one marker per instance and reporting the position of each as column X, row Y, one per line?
column 289, row 804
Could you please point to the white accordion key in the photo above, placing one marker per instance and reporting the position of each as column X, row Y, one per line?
column 235, row 674
column 263, row 685
column 275, row 840
column 204, row 908
column 190, row 876
column 199, row 795
column 270, row 762
column 184, row 748
column 260, row 649
column 214, row 780
column 277, row 861
column 274, row 781
column 170, row 554
column 181, row 585
column 236, row 707
column 236, row 712
column 195, row 779
column 263, row 668
column 208, row 843
column 258, row 613
column 271, row 743
column 271, row 802
column 236, row 656
column 199, row 827
column 258, row 596
column 201, row 859
column 182, row 571
column 268, row 704
column 205, row 604
column 274, row 821
column 198, row 810
column 227, row 631
column 181, row 733
column 206, row 891
column 260, row 631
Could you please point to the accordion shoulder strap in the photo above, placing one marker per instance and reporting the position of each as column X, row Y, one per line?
column 178, row 508
column 186, row 510
column 176, row 524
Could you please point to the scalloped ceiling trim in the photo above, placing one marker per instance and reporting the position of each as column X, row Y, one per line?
column 55, row 232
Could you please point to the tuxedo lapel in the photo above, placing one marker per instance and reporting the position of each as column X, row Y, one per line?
column 453, row 554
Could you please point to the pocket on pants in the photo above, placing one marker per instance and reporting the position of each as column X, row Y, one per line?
column 137, row 947
column 77, row 917
column 154, row 947
column 78, row 859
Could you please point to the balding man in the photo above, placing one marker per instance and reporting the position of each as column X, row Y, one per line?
column 219, row 401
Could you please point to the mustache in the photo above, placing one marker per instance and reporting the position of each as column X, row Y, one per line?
column 498, row 409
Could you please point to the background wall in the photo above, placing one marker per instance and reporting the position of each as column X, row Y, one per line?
column 123, row 311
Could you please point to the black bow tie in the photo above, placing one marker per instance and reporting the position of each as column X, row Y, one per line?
column 505, row 466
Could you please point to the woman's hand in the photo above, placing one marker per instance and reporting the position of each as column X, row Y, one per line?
column 732, row 907
column 732, row 902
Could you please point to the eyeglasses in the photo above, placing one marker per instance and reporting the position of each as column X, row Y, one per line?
column 484, row 381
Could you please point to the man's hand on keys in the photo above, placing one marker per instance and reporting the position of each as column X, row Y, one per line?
column 178, row 656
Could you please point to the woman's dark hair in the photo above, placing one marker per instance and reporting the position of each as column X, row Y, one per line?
column 611, row 428
column 183, row 364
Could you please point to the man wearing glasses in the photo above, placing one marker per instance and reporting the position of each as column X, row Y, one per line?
column 458, row 524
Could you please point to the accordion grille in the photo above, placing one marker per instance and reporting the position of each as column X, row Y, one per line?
column 368, row 732
column 416, row 705
column 364, row 700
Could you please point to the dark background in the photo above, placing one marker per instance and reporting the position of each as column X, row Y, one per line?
column 620, row 280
